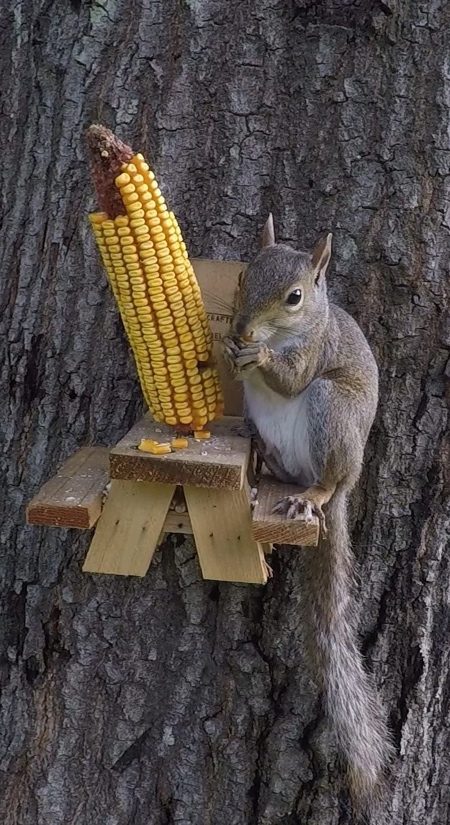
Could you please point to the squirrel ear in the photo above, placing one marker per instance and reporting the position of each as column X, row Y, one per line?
column 268, row 235
column 321, row 255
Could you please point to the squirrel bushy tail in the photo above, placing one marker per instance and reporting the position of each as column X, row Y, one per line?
column 352, row 704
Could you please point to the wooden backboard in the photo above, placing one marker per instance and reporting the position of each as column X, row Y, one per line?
column 218, row 281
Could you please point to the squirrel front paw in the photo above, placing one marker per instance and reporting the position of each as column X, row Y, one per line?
column 245, row 356
column 252, row 356
column 230, row 351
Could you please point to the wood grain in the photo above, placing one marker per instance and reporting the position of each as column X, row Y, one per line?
column 177, row 523
column 270, row 527
column 221, row 522
column 73, row 497
column 129, row 528
column 219, row 462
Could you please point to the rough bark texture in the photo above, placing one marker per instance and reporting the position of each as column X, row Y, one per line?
column 170, row 699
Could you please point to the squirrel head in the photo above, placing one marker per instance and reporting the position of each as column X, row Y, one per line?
column 282, row 293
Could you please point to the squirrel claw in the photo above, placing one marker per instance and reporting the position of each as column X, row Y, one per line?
column 321, row 516
column 230, row 351
column 269, row 570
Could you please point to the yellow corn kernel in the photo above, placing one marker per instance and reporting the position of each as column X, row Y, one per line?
column 122, row 180
column 98, row 218
column 159, row 449
column 179, row 443
column 146, row 444
column 127, row 190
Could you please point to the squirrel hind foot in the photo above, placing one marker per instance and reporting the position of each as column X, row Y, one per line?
column 298, row 507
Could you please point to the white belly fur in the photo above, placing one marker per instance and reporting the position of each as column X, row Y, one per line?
column 282, row 423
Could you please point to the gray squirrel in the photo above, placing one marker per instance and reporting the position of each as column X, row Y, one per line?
column 310, row 394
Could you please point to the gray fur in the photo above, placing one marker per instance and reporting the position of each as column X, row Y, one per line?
column 311, row 391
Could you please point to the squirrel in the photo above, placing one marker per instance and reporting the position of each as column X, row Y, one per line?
column 310, row 396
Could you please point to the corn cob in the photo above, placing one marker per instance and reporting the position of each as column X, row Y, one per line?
column 155, row 287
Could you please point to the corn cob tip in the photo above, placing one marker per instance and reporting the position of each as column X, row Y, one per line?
column 106, row 155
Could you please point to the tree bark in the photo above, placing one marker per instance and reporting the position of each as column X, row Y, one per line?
column 172, row 699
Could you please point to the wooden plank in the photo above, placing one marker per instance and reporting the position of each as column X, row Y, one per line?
column 218, row 281
column 269, row 527
column 129, row 528
column 221, row 521
column 73, row 497
column 219, row 462
column 177, row 523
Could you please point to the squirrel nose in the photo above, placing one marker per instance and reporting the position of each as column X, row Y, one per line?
column 242, row 329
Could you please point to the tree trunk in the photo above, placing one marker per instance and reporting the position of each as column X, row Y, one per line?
column 172, row 699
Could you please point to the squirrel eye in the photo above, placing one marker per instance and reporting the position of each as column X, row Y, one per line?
column 294, row 298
